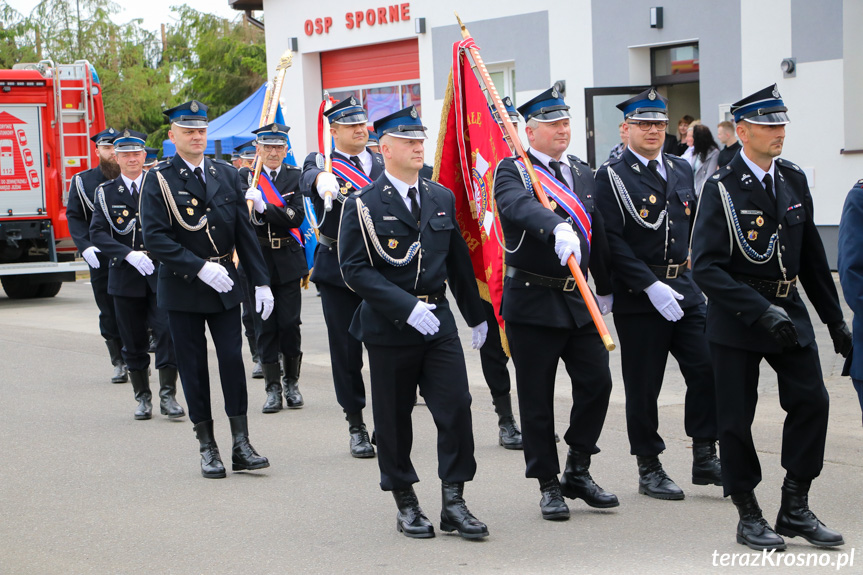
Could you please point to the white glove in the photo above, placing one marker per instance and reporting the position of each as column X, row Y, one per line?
column 264, row 301
column 328, row 187
column 257, row 197
column 664, row 299
column 480, row 332
column 140, row 262
column 216, row 276
column 566, row 243
column 604, row 302
column 423, row 320
column 89, row 256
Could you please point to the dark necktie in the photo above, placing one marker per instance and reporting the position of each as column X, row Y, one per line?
column 200, row 175
column 768, row 187
column 273, row 174
column 654, row 169
column 558, row 173
column 134, row 192
column 415, row 207
column 356, row 161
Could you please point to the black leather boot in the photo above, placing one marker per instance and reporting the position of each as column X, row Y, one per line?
column 360, row 445
column 576, row 482
column 293, row 397
column 168, row 393
column 796, row 520
column 410, row 519
column 211, row 461
column 273, row 388
column 151, row 342
column 258, row 369
column 510, row 435
column 706, row 469
column 654, row 482
column 552, row 504
column 141, row 386
column 243, row 455
column 120, row 374
column 455, row 516
column 752, row 529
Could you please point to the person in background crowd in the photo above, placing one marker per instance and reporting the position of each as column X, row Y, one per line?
column 617, row 150
column 727, row 136
column 705, row 154
column 851, row 276
column 676, row 144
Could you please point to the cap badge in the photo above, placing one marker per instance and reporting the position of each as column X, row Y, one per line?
column 507, row 101
column 111, row 130
column 194, row 107
column 413, row 113
column 126, row 134
column 775, row 92
column 555, row 93
column 353, row 101
column 651, row 95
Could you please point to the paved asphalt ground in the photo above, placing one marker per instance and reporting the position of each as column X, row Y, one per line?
column 84, row 488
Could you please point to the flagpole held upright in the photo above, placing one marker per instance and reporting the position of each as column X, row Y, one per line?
column 511, row 136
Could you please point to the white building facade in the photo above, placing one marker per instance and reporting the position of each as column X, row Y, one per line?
column 702, row 55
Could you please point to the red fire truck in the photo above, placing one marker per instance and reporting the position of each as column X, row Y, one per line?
column 48, row 113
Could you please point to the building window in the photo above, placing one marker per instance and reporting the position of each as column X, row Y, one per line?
column 674, row 64
column 503, row 76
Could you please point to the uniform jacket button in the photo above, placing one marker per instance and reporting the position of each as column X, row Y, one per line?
column 541, row 231
column 208, row 209
column 185, row 277
column 672, row 240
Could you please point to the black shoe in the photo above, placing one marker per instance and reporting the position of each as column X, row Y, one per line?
column 243, row 455
column 141, row 387
column 257, row 370
column 293, row 397
column 273, row 387
column 576, row 483
column 211, row 461
column 168, row 393
column 552, row 505
column 752, row 529
column 410, row 519
column 706, row 468
column 654, row 482
column 796, row 520
column 455, row 516
column 509, row 436
column 120, row 373
column 360, row 445
column 151, row 346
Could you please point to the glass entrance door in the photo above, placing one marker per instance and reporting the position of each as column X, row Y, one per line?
column 603, row 119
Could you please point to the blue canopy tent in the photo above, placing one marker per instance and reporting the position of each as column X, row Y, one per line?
column 235, row 127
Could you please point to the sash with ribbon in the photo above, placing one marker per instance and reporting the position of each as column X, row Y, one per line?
column 563, row 196
column 272, row 196
column 350, row 173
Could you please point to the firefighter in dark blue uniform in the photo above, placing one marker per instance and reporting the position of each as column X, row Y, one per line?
column 648, row 203
column 546, row 317
column 150, row 158
column 277, row 221
column 348, row 128
column 399, row 245
column 79, row 212
column 194, row 215
column 754, row 239
column 116, row 231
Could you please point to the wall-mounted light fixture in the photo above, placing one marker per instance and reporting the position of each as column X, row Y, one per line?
column 789, row 67
column 656, row 17
column 420, row 25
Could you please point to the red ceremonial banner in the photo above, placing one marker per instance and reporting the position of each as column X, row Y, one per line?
column 470, row 145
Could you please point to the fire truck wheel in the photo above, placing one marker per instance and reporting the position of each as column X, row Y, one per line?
column 20, row 287
column 49, row 289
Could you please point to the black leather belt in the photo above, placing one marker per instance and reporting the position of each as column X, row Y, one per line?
column 565, row 284
column 275, row 243
column 433, row 297
column 221, row 259
column 669, row 272
column 327, row 241
column 767, row 288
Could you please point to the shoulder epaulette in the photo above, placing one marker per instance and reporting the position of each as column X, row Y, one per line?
column 291, row 167
column 721, row 172
column 161, row 166
column 791, row 165
column 223, row 162
column 573, row 158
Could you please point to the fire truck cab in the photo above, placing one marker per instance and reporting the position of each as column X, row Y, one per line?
column 48, row 113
